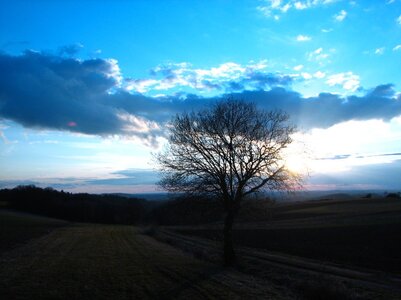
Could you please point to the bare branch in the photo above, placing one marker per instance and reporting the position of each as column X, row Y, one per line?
column 230, row 150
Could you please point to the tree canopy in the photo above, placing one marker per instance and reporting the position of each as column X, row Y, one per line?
column 229, row 150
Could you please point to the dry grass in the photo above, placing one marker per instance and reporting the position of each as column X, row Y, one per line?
column 117, row 262
column 17, row 228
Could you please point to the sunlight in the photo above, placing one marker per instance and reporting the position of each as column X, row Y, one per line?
column 297, row 156
column 343, row 146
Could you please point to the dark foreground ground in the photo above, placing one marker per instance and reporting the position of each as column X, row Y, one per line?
column 42, row 258
column 111, row 262
column 363, row 233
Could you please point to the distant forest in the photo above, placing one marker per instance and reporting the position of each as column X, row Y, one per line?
column 111, row 209
column 117, row 209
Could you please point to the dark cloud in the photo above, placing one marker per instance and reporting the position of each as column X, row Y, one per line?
column 380, row 155
column 336, row 157
column 328, row 109
column 43, row 91
column 51, row 92
column 261, row 81
column 129, row 177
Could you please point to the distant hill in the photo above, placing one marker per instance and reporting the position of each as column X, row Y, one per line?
column 147, row 196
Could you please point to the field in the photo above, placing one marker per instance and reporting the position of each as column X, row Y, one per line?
column 113, row 262
column 18, row 228
column 362, row 233
column 329, row 249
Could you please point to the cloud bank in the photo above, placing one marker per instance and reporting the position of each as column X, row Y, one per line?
column 44, row 91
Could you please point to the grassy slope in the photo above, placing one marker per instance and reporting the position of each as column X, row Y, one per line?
column 116, row 262
column 17, row 228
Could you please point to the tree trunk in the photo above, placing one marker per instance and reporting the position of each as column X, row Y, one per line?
column 229, row 254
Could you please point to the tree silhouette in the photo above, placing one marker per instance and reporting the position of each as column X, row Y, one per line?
column 229, row 150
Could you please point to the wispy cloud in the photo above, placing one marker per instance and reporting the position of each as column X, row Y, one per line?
column 398, row 20
column 303, row 38
column 298, row 67
column 319, row 74
column 340, row 16
column 3, row 137
column 397, row 48
column 70, row 50
column 380, row 51
column 272, row 8
column 317, row 55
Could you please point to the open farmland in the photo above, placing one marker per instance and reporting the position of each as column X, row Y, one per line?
column 115, row 262
column 64, row 260
column 16, row 228
column 362, row 233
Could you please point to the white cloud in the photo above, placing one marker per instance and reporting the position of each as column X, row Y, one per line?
column 324, row 30
column 319, row 74
column 317, row 55
column 340, row 16
column 397, row 48
column 306, row 75
column 299, row 5
column 264, row 10
column 225, row 77
column 141, row 85
column 399, row 20
column 226, row 70
column 275, row 3
column 303, row 38
column 318, row 51
column 286, row 7
column 298, row 68
column 380, row 51
column 137, row 124
column 347, row 80
column 114, row 71
column 271, row 8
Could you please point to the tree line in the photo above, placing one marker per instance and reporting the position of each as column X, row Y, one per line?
column 82, row 207
column 116, row 209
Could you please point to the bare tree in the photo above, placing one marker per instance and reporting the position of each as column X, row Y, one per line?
column 230, row 150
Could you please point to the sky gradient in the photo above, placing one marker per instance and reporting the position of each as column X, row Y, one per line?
column 86, row 89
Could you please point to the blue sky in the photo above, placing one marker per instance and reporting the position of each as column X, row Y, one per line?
column 87, row 87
